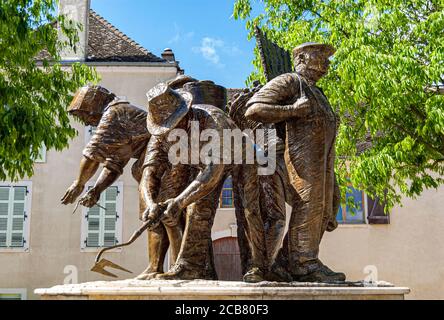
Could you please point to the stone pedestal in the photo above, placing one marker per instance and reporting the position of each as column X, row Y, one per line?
column 220, row 290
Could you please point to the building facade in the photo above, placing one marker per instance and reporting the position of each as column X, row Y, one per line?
column 43, row 244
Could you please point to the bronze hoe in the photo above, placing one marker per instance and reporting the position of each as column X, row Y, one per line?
column 101, row 264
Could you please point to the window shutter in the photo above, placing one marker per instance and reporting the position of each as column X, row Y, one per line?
column 42, row 154
column 4, row 212
column 101, row 223
column 18, row 217
column 12, row 216
column 375, row 211
column 110, row 218
column 93, row 223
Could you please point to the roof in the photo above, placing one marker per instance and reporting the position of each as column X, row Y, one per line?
column 106, row 43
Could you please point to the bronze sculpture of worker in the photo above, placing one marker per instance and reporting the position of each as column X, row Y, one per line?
column 259, row 200
column 293, row 101
column 199, row 182
column 121, row 135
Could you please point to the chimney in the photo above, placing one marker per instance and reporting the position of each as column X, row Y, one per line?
column 168, row 55
column 77, row 11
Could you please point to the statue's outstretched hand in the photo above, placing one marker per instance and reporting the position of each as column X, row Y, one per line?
column 72, row 193
column 90, row 199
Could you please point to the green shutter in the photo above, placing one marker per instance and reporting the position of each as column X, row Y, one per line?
column 109, row 227
column 102, row 223
column 4, row 213
column 18, row 217
column 93, row 236
column 12, row 216
column 10, row 296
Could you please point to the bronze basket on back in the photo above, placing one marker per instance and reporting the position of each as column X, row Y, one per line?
column 207, row 92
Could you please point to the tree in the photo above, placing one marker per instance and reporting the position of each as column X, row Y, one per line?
column 382, row 82
column 34, row 96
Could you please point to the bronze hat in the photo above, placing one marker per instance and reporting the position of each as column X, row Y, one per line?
column 166, row 107
column 91, row 99
column 326, row 49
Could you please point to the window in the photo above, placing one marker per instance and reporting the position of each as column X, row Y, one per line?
column 14, row 219
column 12, row 294
column 348, row 216
column 89, row 132
column 42, row 155
column 226, row 198
column 102, row 224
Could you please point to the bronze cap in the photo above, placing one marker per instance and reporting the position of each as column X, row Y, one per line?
column 326, row 49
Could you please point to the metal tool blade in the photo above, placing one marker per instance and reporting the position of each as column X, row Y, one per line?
column 100, row 266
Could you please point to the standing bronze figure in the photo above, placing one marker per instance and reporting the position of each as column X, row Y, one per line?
column 259, row 199
column 294, row 101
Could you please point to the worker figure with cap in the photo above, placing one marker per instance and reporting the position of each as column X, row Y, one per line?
column 121, row 135
column 201, row 178
column 295, row 103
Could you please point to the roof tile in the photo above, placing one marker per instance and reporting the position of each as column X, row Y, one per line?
column 106, row 43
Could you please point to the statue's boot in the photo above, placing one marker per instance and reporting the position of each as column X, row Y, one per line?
column 254, row 275
column 321, row 275
column 340, row 275
column 147, row 275
column 318, row 272
column 278, row 273
column 181, row 271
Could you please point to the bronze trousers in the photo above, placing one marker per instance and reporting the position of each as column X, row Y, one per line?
column 264, row 210
column 309, row 157
column 162, row 238
column 196, row 251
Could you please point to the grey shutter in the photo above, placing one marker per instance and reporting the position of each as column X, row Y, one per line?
column 110, row 217
column 12, row 216
column 101, row 223
column 18, row 217
column 4, row 213
column 375, row 209
column 93, row 225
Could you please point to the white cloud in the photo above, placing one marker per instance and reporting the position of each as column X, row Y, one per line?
column 180, row 35
column 232, row 50
column 209, row 49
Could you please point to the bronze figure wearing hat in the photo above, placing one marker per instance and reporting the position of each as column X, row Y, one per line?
column 295, row 103
column 199, row 183
column 175, row 180
column 121, row 135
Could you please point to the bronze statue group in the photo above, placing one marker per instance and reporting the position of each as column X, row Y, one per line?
column 183, row 198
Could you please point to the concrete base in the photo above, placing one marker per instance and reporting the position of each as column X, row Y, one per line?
column 221, row 290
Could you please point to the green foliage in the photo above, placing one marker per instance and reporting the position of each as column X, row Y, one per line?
column 33, row 97
column 389, row 53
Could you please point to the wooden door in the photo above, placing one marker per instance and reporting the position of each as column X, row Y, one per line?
column 227, row 259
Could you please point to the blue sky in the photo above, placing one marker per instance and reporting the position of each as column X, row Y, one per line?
column 207, row 41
